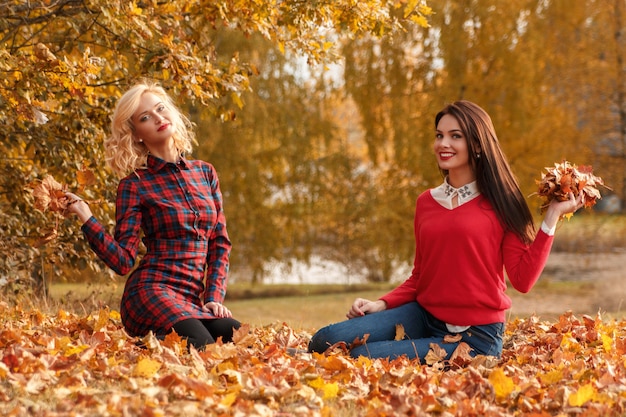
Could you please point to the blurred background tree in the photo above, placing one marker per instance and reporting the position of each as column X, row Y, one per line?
column 317, row 115
column 65, row 62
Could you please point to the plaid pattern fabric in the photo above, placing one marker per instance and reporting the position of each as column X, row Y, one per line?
column 178, row 207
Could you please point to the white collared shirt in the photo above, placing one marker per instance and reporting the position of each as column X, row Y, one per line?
column 445, row 193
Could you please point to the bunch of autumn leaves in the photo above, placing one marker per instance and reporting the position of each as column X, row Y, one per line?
column 565, row 178
column 50, row 196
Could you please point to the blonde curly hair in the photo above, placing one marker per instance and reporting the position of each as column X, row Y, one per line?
column 125, row 155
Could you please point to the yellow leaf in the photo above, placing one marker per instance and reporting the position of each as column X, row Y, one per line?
column 584, row 394
column 4, row 370
column 71, row 350
column 146, row 368
column 229, row 399
column 399, row 332
column 62, row 343
column 237, row 100
column 329, row 390
column 103, row 319
column 502, row 384
column 569, row 343
column 552, row 377
column 134, row 10
column 425, row 10
column 364, row 362
column 607, row 343
column 410, row 7
column 420, row 20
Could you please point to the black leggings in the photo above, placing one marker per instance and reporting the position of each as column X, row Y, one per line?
column 202, row 332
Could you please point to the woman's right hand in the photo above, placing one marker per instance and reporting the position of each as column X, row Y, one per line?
column 78, row 206
column 361, row 307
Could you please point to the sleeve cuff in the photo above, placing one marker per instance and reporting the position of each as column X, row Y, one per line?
column 547, row 230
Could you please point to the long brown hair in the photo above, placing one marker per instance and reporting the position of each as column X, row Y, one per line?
column 494, row 177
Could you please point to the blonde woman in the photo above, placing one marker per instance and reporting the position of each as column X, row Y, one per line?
column 175, row 206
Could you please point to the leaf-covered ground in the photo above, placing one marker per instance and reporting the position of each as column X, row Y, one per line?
column 85, row 365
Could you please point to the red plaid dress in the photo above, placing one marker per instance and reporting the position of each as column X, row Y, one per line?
column 179, row 209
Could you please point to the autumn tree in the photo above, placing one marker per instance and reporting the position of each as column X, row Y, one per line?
column 588, row 73
column 272, row 159
column 64, row 63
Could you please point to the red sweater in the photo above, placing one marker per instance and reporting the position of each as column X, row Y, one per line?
column 460, row 257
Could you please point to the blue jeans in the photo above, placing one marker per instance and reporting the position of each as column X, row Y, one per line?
column 420, row 327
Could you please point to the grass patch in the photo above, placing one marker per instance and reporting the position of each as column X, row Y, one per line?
column 591, row 232
column 563, row 287
column 301, row 306
column 308, row 312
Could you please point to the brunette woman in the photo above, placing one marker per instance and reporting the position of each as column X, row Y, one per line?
column 468, row 231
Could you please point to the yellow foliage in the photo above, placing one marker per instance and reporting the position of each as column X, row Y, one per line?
column 53, row 365
column 329, row 390
column 502, row 384
column 103, row 319
column 583, row 395
column 552, row 377
column 147, row 368
column 607, row 342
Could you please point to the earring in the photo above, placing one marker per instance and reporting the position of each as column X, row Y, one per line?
column 477, row 156
column 140, row 140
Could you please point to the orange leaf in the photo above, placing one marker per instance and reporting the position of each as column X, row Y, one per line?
column 85, row 177
column 452, row 338
column 400, row 334
column 147, row 368
column 461, row 355
column 435, row 354
column 47, row 237
column 48, row 193
column 243, row 336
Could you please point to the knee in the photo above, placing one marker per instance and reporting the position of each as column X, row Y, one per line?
column 360, row 350
column 320, row 341
column 228, row 328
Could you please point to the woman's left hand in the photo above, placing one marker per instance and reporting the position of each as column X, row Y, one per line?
column 557, row 209
column 217, row 309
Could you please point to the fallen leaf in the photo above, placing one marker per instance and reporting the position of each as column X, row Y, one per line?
column 452, row 338
column 502, row 384
column 461, row 355
column 147, row 368
column 329, row 390
column 435, row 354
column 582, row 396
column 399, row 332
